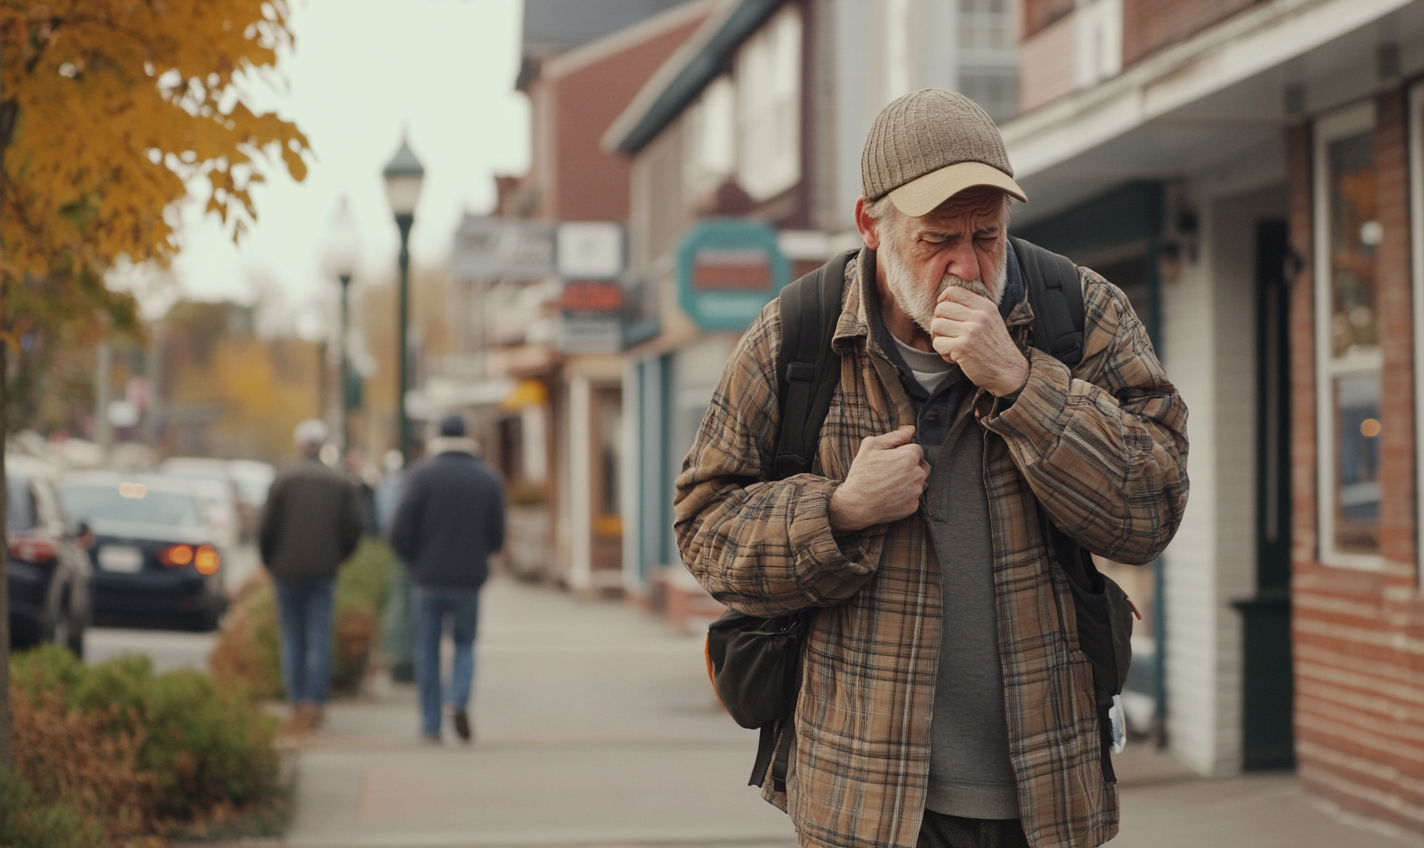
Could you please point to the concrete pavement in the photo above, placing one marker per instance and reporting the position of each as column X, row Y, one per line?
column 596, row 726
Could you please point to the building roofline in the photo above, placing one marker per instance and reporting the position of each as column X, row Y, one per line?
column 1263, row 37
column 686, row 73
column 624, row 39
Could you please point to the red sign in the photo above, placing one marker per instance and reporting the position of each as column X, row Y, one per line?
column 592, row 296
column 723, row 269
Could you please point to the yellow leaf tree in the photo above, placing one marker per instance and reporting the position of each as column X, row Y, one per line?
column 110, row 112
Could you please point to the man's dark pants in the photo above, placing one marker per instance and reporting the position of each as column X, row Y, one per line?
column 304, row 611
column 430, row 606
column 942, row 831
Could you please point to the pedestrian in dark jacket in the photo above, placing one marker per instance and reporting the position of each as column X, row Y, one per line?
column 310, row 525
column 450, row 519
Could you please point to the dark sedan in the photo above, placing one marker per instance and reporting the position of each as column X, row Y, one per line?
column 49, row 571
column 156, row 556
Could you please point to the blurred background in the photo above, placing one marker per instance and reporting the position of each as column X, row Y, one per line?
column 556, row 217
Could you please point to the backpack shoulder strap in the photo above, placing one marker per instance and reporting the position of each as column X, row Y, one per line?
column 807, row 369
column 1056, row 295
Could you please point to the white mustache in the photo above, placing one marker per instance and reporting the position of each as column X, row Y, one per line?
column 976, row 286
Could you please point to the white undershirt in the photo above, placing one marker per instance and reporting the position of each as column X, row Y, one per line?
column 930, row 369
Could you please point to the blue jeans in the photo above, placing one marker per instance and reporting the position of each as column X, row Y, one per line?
column 429, row 607
column 304, row 611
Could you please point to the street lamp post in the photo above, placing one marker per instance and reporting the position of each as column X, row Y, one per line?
column 342, row 254
column 404, row 178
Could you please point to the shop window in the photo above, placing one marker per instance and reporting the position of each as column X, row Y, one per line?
column 995, row 88
column 986, row 25
column 768, row 101
column 1348, row 360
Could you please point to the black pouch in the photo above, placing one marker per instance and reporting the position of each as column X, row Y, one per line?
column 756, row 664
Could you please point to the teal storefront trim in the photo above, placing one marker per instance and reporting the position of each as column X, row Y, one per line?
column 727, row 271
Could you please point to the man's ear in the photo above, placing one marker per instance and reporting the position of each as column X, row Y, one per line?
column 869, row 227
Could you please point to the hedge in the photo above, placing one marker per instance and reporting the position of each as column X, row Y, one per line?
column 115, row 749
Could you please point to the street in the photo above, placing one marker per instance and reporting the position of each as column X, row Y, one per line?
column 170, row 649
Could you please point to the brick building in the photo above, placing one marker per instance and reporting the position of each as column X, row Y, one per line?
column 543, row 284
column 1252, row 172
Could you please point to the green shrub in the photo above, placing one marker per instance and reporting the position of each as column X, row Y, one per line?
column 26, row 822
column 134, row 750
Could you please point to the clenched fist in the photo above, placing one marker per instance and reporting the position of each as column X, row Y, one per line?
column 968, row 331
column 885, row 481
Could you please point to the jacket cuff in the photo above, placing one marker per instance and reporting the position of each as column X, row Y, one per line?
column 830, row 566
column 1034, row 416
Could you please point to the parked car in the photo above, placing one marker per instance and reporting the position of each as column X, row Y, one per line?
column 156, row 555
column 219, row 489
column 49, row 571
column 254, row 479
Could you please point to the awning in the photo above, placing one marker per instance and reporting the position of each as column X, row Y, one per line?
column 526, row 393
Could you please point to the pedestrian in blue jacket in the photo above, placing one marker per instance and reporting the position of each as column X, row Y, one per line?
column 449, row 520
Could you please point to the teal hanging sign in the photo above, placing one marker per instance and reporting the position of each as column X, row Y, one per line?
column 727, row 270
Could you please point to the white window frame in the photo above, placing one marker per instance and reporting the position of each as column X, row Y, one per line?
column 1416, row 252
column 1339, row 124
column 1098, row 36
column 768, row 81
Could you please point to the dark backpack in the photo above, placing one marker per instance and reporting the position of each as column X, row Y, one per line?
column 755, row 663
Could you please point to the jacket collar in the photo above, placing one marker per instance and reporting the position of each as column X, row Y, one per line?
column 451, row 444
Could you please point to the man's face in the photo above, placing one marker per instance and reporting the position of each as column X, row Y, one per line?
column 961, row 243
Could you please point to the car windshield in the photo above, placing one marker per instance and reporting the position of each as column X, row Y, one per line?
column 131, row 502
column 19, row 504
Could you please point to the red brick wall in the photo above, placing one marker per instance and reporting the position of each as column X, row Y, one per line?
column 1359, row 636
column 583, row 182
column 1038, row 14
column 1150, row 25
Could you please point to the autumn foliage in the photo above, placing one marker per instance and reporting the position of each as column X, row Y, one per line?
column 112, row 109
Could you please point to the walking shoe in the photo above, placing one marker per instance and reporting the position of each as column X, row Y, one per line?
column 430, row 738
column 462, row 726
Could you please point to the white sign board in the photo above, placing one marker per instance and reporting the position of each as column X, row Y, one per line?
column 590, row 249
column 503, row 248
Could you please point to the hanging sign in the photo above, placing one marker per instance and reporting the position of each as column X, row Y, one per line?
column 727, row 271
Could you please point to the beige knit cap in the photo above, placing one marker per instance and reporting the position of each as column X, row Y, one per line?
column 928, row 146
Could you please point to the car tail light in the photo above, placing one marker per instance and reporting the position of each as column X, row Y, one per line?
column 176, row 556
column 31, row 549
column 206, row 560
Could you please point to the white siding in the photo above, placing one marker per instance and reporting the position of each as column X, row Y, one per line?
column 1211, row 355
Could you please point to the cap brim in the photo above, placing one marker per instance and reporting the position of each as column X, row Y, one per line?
column 921, row 196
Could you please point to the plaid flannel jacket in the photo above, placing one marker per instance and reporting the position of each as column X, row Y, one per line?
column 1103, row 449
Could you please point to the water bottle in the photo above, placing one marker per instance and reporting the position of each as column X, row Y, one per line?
column 1119, row 725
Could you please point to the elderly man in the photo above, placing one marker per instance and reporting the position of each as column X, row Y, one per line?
column 310, row 525
column 944, row 699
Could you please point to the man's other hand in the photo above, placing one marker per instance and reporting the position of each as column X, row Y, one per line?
column 968, row 331
column 885, row 481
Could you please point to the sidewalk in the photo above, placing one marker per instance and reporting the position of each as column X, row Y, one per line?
column 596, row 726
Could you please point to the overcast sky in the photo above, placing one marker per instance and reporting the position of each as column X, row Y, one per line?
column 361, row 70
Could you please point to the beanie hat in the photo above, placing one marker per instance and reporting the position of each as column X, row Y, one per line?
column 928, row 146
column 452, row 426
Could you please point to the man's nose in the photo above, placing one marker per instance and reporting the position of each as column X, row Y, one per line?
column 963, row 262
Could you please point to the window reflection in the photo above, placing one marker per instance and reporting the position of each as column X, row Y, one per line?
column 1357, row 451
column 1354, row 233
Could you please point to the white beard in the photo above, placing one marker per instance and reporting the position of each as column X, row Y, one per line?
column 918, row 301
